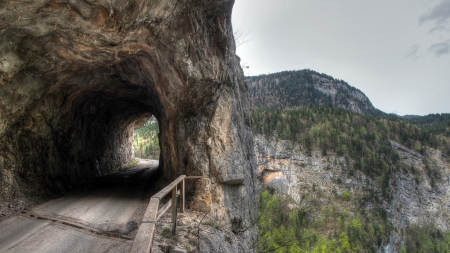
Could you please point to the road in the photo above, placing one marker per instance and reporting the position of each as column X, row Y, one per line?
column 99, row 217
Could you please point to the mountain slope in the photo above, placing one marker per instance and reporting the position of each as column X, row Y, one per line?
column 306, row 89
column 348, row 182
column 438, row 123
column 427, row 120
column 337, row 178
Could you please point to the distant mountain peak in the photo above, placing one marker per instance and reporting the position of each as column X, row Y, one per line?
column 304, row 89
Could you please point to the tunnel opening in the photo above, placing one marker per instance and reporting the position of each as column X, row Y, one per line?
column 81, row 129
column 102, row 116
column 146, row 140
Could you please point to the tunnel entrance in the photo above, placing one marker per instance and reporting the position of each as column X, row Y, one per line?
column 146, row 140
column 77, row 77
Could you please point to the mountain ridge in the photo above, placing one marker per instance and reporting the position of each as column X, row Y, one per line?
column 307, row 88
column 341, row 174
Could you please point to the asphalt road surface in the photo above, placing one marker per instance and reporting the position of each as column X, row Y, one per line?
column 99, row 217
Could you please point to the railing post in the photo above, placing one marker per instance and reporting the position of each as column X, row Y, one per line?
column 174, row 196
column 182, row 197
column 144, row 237
column 174, row 223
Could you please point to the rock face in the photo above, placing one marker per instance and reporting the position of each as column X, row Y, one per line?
column 317, row 180
column 415, row 200
column 283, row 166
column 76, row 75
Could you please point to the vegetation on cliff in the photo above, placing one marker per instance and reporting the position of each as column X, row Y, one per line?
column 426, row 238
column 363, row 139
column 341, row 222
column 335, row 227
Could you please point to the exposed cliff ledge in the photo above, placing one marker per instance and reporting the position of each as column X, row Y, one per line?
column 76, row 75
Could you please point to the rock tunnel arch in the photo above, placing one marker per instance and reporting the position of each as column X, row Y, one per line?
column 75, row 75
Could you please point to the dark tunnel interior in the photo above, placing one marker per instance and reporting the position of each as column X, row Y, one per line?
column 92, row 119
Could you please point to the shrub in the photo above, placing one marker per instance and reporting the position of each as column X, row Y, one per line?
column 346, row 195
column 167, row 233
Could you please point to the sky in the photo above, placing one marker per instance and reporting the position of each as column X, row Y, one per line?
column 395, row 51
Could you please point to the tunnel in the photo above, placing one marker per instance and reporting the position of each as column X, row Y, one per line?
column 77, row 77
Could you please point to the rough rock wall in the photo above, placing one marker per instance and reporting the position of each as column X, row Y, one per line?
column 415, row 200
column 75, row 76
column 283, row 166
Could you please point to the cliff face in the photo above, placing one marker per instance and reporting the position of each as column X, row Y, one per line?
column 283, row 166
column 415, row 200
column 316, row 182
column 304, row 89
column 76, row 75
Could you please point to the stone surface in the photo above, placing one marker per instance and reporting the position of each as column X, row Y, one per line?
column 177, row 250
column 417, row 202
column 75, row 76
column 282, row 166
column 183, row 222
column 205, row 234
column 202, row 197
column 213, row 241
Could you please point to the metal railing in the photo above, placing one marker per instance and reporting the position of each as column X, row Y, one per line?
column 144, row 237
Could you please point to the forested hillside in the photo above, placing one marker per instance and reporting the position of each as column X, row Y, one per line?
column 306, row 89
column 438, row 123
column 363, row 138
column 146, row 142
column 352, row 205
column 430, row 119
column 360, row 146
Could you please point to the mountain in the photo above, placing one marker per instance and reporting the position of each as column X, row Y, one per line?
column 306, row 89
column 338, row 175
column 336, row 179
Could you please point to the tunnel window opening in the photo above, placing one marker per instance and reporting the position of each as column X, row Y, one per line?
column 146, row 140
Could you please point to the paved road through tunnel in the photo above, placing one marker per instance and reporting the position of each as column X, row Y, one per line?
column 99, row 217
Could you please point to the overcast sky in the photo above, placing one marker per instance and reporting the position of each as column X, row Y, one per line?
column 395, row 51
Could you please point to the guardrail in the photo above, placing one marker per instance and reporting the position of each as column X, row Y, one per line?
column 144, row 237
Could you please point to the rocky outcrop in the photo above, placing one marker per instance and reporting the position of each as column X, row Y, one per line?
column 317, row 180
column 415, row 200
column 196, row 232
column 285, row 167
column 76, row 75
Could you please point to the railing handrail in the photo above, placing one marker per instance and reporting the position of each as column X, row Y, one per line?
column 144, row 237
column 161, row 194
